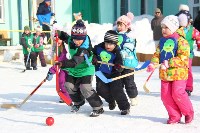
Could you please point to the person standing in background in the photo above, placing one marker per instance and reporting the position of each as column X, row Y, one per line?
column 156, row 26
column 44, row 16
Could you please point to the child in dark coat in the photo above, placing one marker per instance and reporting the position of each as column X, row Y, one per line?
column 109, row 52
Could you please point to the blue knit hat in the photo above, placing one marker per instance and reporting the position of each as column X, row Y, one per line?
column 79, row 31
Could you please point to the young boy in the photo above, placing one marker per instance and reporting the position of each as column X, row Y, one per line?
column 38, row 46
column 80, row 73
column 26, row 42
column 191, row 34
column 127, row 45
column 109, row 52
column 173, row 55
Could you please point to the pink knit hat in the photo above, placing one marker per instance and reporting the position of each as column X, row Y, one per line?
column 126, row 19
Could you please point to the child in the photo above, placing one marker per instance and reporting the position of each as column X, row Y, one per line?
column 173, row 55
column 109, row 52
column 38, row 46
column 127, row 45
column 190, row 34
column 26, row 42
column 79, row 79
column 62, row 74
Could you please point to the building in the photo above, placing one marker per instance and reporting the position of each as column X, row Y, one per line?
column 15, row 14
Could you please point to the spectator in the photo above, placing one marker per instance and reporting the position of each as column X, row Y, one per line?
column 44, row 16
column 156, row 26
column 197, row 22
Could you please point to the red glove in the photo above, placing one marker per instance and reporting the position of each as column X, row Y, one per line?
column 150, row 67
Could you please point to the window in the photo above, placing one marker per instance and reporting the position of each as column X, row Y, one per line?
column 160, row 5
column 195, row 6
column 2, row 20
column 143, row 7
column 124, row 7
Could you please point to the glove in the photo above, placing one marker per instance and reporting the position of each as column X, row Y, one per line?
column 49, row 76
column 29, row 50
column 36, row 45
column 150, row 67
column 94, row 61
column 117, row 66
column 164, row 65
column 58, row 63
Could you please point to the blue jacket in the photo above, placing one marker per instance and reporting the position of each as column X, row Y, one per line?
column 44, row 13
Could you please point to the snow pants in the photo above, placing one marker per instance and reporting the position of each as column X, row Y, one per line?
column 112, row 92
column 175, row 99
column 32, row 62
column 189, row 84
column 80, row 88
column 129, row 83
column 41, row 57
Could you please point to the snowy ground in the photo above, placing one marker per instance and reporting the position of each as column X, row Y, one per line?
column 149, row 116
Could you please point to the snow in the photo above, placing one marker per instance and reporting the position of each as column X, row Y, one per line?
column 148, row 116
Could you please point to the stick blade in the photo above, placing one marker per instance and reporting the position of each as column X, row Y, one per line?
column 9, row 106
column 145, row 88
column 102, row 77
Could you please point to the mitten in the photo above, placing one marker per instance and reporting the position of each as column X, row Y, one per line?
column 58, row 63
column 36, row 45
column 29, row 50
column 49, row 76
column 150, row 67
column 117, row 66
column 164, row 65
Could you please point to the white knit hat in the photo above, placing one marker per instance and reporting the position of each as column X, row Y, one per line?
column 38, row 28
column 183, row 20
column 171, row 22
column 183, row 7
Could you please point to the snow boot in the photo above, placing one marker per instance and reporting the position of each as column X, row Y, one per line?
column 134, row 101
column 125, row 112
column 112, row 105
column 34, row 68
column 96, row 113
column 75, row 108
column 188, row 92
column 28, row 68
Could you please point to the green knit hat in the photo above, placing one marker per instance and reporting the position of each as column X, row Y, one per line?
column 26, row 27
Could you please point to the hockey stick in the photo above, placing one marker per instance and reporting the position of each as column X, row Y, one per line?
column 111, row 64
column 67, row 100
column 106, row 80
column 8, row 106
column 26, row 62
column 144, row 86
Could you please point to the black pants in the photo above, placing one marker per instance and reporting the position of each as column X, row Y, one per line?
column 46, row 28
column 113, row 91
column 129, row 83
column 32, row 62
column 41, row 57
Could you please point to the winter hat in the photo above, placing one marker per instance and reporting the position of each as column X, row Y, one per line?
column 183, row 7
column 183, row 20
column 26, row 27
column 157, row 10
column 171, row 22
column 38, row 29
column 79, row 31
column 111, row 36
column 126, row 19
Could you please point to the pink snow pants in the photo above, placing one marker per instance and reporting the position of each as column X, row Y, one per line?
column 189, row 82
column 175, row 99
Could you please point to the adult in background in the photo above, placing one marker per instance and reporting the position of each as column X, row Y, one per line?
column 156, row 26
column 44, row 16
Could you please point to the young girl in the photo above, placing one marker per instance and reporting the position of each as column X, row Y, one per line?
column 80, row 72
column 108, row 51
column 62, row 74
column 38, row 45
column 173, row 55
column 127, row 45
column 30, row 59
column 191, row 34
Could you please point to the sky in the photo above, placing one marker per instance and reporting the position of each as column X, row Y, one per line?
column 149, row 116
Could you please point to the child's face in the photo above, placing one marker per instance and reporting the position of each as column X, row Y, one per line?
column 109, row 46
column 78, row 42
column 27, row 31
column 121, row 27
column 165, row 30
column 38, row 33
